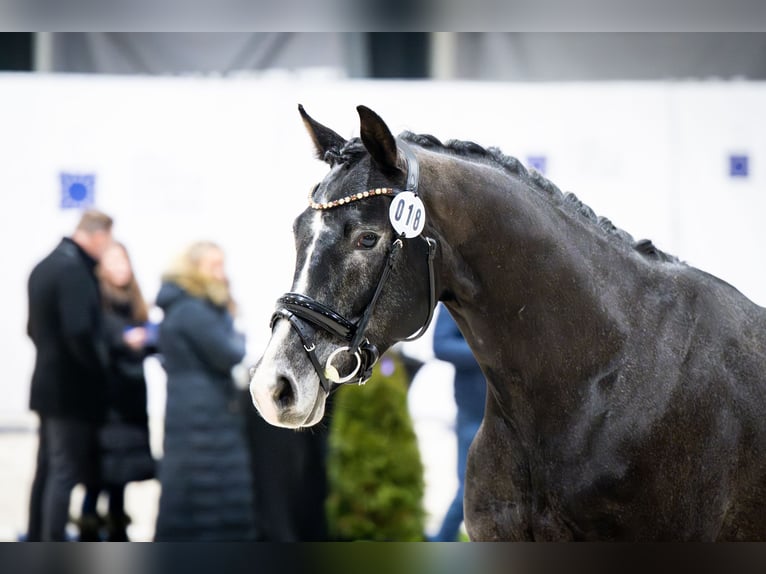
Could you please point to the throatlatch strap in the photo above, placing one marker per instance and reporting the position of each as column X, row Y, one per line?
column 431, row 288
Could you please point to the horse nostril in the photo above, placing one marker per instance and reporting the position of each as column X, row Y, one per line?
column 284, row 395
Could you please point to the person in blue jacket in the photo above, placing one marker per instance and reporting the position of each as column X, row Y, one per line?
column 470, row 396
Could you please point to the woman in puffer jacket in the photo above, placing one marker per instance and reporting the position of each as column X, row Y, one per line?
column 205, row 471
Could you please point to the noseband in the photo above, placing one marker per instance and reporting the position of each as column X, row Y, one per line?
column 306, row 314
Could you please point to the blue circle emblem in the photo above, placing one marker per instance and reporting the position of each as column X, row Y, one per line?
column 77, row 191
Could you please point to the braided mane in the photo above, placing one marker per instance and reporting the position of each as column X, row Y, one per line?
column 354, row 150
column 568, row 201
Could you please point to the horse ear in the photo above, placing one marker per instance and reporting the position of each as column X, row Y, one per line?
column 377, row 138
column 325, row 140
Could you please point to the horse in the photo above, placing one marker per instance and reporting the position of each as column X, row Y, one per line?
column 626, row 389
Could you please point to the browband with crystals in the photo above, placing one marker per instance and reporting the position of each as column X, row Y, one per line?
column 349, row 198
column 413, row 174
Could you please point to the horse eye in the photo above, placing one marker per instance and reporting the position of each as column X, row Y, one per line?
column 367, row 240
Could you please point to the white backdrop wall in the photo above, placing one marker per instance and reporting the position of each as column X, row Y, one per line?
column 180, row 159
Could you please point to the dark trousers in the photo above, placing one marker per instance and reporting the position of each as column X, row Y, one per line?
column 116, row 495
column 67, row 455
column 289, row 479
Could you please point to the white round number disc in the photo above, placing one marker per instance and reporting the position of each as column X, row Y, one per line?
column 407, row 214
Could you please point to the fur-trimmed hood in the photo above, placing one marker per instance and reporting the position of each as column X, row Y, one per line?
column 194, row 285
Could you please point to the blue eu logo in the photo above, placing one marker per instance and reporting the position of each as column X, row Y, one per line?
column 77, row 190
column 538, row 162
column 738, row 165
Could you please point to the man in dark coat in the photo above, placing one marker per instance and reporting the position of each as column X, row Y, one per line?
column 68, row 389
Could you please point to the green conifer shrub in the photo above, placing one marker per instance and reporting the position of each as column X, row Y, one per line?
column 375, row 474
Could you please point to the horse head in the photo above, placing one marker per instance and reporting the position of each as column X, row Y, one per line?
column 363, row 276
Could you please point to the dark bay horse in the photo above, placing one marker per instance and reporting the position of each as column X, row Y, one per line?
column 627, row 390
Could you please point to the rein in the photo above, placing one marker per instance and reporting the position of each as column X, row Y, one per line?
column 306, row 314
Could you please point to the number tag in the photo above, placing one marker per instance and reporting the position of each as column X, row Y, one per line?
column 407, row 214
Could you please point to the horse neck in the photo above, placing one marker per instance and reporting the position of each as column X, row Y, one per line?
column 533, row 288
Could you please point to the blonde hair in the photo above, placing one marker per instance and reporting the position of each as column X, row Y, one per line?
column 94, row 220
column 184, row 271
column 130, row 293
column 188, row 261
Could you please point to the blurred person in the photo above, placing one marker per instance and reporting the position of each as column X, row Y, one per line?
column 68, row 390
column 205, row 471
column 289, row 484
column 125, row 452
column 470, row 395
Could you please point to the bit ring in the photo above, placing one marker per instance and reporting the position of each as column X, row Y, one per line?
column 337, row 351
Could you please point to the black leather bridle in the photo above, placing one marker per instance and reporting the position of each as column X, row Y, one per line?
column 306, row 314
